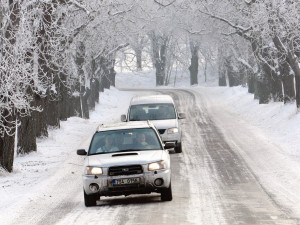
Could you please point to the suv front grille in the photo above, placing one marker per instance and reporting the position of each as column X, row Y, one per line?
column 125, row 170
column 161, row 131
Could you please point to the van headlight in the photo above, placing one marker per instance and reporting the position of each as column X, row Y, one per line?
column 173, row 130
column 93, row 170
column 156, row 165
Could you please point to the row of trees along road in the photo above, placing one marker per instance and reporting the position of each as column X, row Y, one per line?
column 58, row 55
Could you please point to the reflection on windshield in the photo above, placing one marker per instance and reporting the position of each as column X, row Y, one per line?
column 124, row 140
column 152, row 112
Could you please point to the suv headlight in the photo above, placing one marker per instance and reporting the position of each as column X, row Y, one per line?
column 156, row 165
column 93, row 170
column 173, row 130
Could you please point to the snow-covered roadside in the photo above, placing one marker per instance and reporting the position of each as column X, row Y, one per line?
column 279, row 122
column 32, row 171
column 276, row 165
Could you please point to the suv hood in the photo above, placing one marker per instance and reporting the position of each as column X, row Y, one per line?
column 165, row 124
column 125, row 158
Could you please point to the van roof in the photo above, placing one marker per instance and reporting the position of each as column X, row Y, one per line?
column 151, row 99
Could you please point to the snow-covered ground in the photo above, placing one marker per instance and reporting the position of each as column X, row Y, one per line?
column 32, row 171
column 277, row 122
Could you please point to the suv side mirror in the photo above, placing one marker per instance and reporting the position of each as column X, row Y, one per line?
column 169, row 145
column 123, row 118
column 181, row 115
column 81, row 152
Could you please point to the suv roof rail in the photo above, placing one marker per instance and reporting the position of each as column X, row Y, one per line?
column 149, row 123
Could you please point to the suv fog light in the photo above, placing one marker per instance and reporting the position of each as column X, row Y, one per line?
column 158, row 182
column 94, row 187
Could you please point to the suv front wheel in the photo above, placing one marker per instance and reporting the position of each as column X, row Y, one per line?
column 166, row 194
column 90, row 200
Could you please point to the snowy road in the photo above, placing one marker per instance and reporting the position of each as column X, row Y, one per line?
column 216, row 180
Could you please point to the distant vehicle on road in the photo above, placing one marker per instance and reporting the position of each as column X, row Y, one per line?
column 161, row 110
column 126, row 158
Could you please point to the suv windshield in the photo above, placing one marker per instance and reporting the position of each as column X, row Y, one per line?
column 124, row 140
column 152, row 112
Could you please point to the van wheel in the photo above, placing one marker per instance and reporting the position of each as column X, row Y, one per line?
column 178, row 148
column 166, row 194
column 90, row 200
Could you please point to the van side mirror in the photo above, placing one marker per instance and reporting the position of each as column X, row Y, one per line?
column 81, row 152
column 169, row 145
column 181, row 115
column 123, row 118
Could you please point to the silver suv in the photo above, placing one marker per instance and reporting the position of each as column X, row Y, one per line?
column 161, row 110
column 126, row 158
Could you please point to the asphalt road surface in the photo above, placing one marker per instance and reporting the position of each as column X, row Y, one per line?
column 211, row 180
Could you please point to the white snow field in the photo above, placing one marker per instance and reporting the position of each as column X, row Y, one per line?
column 278, row 171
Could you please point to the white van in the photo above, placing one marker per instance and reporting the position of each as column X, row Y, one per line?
column 161, row 111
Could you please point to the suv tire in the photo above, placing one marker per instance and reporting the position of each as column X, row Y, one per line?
column 166, row 194
column 90, row 200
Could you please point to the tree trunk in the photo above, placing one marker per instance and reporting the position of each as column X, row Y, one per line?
column 276, row 88
column 256, row 88
column 160, row 74
column 297, row 84
column 233, row 76
column 65, row 101
column 264, row 90
column 287, row 83
column 26, row 139
column 242, row 75
column 7, row 144
column 194, row 65
column 97, row 90
column 112, row 75
column 222, row 77
column 106, row 81
column 289, row 88
column 84, row 101
column 93, row 94
column 105, row 76
column 75, row 109
column 40, row 118
column 138, row 54
column 251, row 80
column 53, row 113
column 159, row 48
column 160, row 66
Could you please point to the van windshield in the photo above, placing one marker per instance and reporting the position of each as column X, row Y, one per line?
column 152, row 112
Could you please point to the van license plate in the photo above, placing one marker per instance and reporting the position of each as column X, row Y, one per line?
column 134, row 180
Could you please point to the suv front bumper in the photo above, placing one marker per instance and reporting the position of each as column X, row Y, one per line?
column 146, row 183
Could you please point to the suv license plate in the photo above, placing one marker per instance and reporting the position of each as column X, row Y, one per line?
column 125, row 181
